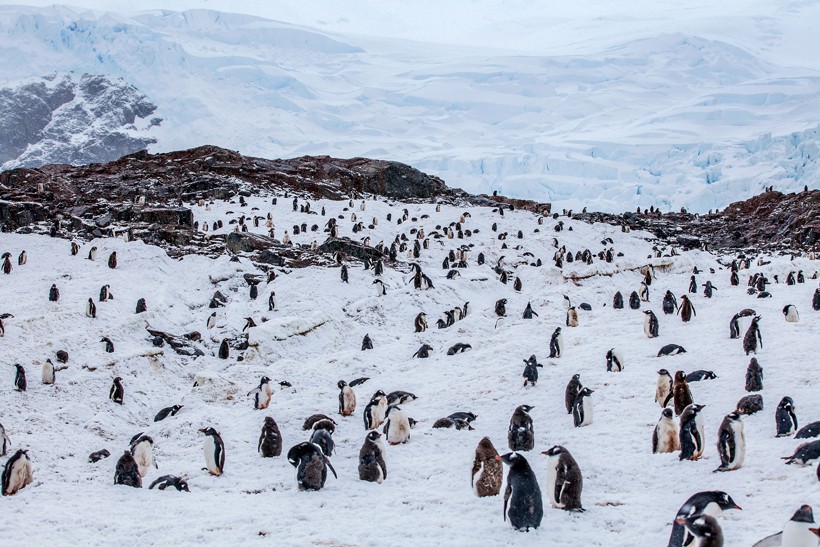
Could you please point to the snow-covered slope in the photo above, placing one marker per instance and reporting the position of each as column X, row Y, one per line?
column 672, row 110
column 312, row 339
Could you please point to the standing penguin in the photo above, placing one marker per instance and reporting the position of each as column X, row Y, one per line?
column 731, row 442
column 214, row 450
column 618, row 301
column 785, row 418
column 704, row 528
column 211, row 323
column 48, row 372
column 681, row 394
column 20, row 383
column 367, row 342
column 707, row 289
column 420, row 323
column 687, row 309
column 815, row 300
column 501, row 307
column 800, row 531
column 112, row 260
column 564, row 480
column 522, row 497
column 347, row 399
column 711, row 503
column 582, row 408
column 142, row 448
column 614, row 361
column 556, row 344
column 6, row 263
column 528, row 313
column 691, row 433
column 666, row 437
column 734, row 327
column 634, row 301
column 531, row 371
column 572, row 317
column 397, row 428
column 663, row 389
column 261, row 394
column 5, row 442
column 272, row 301
column 109, row 345
column 573, row 388
column 643, row 292
column 141, row 306
column 127, row 471
column 487, row 473
column 224, row 349
column 372, row 466
column 253, row 292
column 53, row 293
column 752, row 336
column 520, row 434
column 105, row 293
column 517, row 286
column 270, row 441
column 91, row 309
column 345, row 279
column 375, row 410
column 670, row 303
column 754, row 376
column 22, row 258
column 650, row 324
column 790, row 313
column 17, row 473
column 311, row 466
column 117, row 392
column 693, row 285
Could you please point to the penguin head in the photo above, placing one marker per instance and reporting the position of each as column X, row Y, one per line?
column 576, row 376
column 510, row 458
column 697, row 408
column 786, row 403
column 734, row 416
column 667, row 413
column 526, row 408
column 680, row 376
column 341, row 384
column 556, row 450
column 586, row 392
column 373, row 436
column 804, row 514
column 391, row 408
column 19, row 367
column 117, row 380
column 175, row 409
column 209, row 431
column 725, row 501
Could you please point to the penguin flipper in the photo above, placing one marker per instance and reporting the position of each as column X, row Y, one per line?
column 330, row 465
column 773, row 540
column 507, row 494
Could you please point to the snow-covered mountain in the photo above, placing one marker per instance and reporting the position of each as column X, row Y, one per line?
column 666, row 115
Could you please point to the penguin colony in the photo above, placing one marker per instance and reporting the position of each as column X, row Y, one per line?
column 542, row 464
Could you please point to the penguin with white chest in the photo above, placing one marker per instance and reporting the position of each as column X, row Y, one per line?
column 372, row 465
column 785, row 418
column 663, row 388
column 522, row 497
column 117, row 392
column 487, row 473
column 614, row 361
column 397, row 428
column 666, row 438
column 142, row 448
column 790, row 313
column 214, row 450
column 799, row 531
column 261, row 394
column 650, row 324
column 564, row 480
column 20, row 382
column 47, row 372
column 731, row 442
column 704, row 529
column 375, row 410
column 582, row 408
column 691, row 433
column 711, row 503
column 5, row 442
column 17, row 473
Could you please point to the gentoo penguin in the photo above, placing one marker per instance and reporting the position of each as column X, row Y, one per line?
column 167, row 411
column 643, row 292
column 752, row 336
column 650, row 324
column 75, row 249
column 112, row 260
column 105, row 293
column 375, row 410
column 572, row 317
column 528, row 312
column 671, row 349
column 805, row 453
column 117, row 392
column 311, row 421
column 5, row 442
column 397, row 428
column 582, row 408
column 681, row 395
column 270, row 441
column 62, row 356
column 380, row 288
column 634, row 301
column 311, row 466
column 711, row 503
column 91, row 309
column 693, row 285
column 127, row 471
column 556, row 344
column 691, row 433
column 344, row 275
column 686, row 309
column 663, row 389
column 531, row 371
column 224, row 349
column 501, row 307
column 420, row 322
column 707, row 289
column 618, row 301
column 520, row 434
column 22, row 258
column 423, row 352
column 6, row 263
column 522, row 497
column 731, row 442
column 670, row 303
column 367, row 342
column 806, row 432
column 517, row 285
column 94, row 457
column 48, row 372
column 261, row 394
column 446, row 423
column 754, row 376
column 372, row 465
column 564, row 480
column 487, row 473
column 16, row 473
column 614, row 361
column 790, row 312
column 704, row 528
column 700, row 375
column 572, row 390
column 785, row 418
column 214, row 450
column 815, row 300
column 170, row 481
column 53, row 293
column 211, row 323
column 323, row 438
column 665, row 438
column 20, row 383
column 800, row 531
column 142, row 448
column 459, row 347
column 141, row 306
column 347, row 397
column 109, row 345
column 92, row 253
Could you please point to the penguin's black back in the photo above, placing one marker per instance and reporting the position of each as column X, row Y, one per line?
column 525, row 507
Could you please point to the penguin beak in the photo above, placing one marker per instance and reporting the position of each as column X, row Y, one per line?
column 815, row 531
column 202, row 430
column 738, row 508
column 498, row 458
column 681, row 521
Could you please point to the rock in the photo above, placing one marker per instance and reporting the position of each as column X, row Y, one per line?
column 348, row 247
column 246, row 242
column 179, row 343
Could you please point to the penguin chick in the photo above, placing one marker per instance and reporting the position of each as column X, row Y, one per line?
column 372, row 465
column 487, row 473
